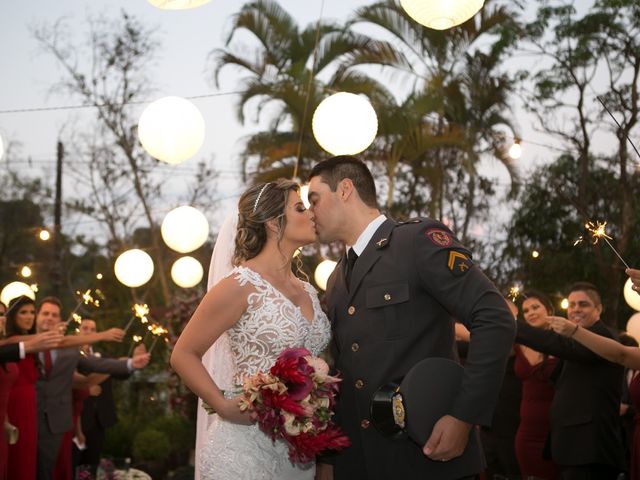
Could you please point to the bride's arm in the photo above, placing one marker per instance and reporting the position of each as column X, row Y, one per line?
column 219, row 310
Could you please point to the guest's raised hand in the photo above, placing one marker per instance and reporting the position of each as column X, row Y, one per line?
column 43, row 341
column 140, row 360
column 634, row 275
column 562, row 326
column 112, row 335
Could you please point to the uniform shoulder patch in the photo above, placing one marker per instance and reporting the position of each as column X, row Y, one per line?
column 458, row 263
column 439, row 237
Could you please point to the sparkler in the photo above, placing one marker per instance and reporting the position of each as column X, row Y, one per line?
column 598, row 231
column 140, row 310
column 86, row 298
column 136, row 339
column 158, row 332
column 514, row 292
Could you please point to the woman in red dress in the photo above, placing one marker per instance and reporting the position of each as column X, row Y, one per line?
column 8, row 375
column 534, row 370
column 21, row 410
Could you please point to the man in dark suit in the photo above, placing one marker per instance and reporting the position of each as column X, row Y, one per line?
column 585, row 426
column 391, row 301
column 53, row 388
column 99, row 409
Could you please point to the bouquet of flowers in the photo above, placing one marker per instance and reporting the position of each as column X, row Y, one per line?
column 294, row 402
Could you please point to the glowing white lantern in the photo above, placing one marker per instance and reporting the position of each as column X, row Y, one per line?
column 633, row 326
column 631, row 296
column 44, row 235
column 564, row 304
column 515, row 151
column 184, row 229
column 323, row 272
column 345, row 124
column 25, row 271
column 187, row 272
column 133, row 268
column 177, row 4
column 171, row 129
column 14, row 290
column 304, row 195
column 441, row 14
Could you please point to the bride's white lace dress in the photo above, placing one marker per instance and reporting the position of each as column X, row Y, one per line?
column 270, row 324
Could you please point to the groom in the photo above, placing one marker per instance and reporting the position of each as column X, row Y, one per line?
column 392, row 301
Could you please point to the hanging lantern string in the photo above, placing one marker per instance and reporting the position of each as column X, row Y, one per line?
column 100, row 105
column 306, row 101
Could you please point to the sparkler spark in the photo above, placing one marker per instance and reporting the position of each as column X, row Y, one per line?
column 514, row 292
column 598, row 232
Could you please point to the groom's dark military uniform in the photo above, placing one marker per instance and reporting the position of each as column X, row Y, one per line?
column 411, row 280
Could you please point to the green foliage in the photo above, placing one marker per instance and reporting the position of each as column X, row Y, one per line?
column 150, row 444
column 548, row 221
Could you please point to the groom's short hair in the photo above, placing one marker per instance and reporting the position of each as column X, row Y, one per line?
column 336, row 169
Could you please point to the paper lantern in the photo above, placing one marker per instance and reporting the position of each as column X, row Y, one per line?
column 323, row 272
column 345, row 124
column 25, row 271
column 14, row 290
column 44, row 235
column 441, row 14
column 631, row 296
column 633, row 326
column 133, row 268
column 564, row 304
column 184, row 229
column 171, row 129
column 187, row 272
column 177, row 4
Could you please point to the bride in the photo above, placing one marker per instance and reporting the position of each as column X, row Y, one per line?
column 253, row 313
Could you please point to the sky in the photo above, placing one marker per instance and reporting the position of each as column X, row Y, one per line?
column 187, row 37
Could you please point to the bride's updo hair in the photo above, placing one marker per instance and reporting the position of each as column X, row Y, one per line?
column 259, row 204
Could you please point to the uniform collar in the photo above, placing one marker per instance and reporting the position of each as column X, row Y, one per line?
column 367, row 234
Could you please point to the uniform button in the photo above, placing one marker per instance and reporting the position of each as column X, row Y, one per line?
column 387, row 297
column 364, row 423
column 359, row 384
column 355, row 347
column 351, row 310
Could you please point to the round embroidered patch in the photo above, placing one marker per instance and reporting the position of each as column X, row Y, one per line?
column 439, row 237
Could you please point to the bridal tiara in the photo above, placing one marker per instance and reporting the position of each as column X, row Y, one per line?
column 255, row 205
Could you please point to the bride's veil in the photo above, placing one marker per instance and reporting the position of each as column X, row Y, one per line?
column 218, row 360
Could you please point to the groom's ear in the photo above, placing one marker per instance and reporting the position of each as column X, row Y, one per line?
column 345, row 188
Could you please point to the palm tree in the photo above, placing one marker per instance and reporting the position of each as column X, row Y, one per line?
column 452, row 116
column 282, row 73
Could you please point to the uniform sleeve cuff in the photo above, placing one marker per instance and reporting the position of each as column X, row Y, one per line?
column 22, row 351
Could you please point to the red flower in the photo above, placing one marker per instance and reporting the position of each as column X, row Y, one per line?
column 295, row 402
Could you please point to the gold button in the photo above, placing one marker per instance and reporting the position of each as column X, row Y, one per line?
column 387, row 297
column 359, row 384
column 364, row 423
column 351, row 310
column 355, row 347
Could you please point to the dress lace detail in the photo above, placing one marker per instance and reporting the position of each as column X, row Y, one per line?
column 270, row 324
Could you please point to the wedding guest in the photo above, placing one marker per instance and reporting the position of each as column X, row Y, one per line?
column 585, row 414
column 534, row 369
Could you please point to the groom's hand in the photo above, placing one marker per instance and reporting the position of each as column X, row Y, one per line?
column 448, row 439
